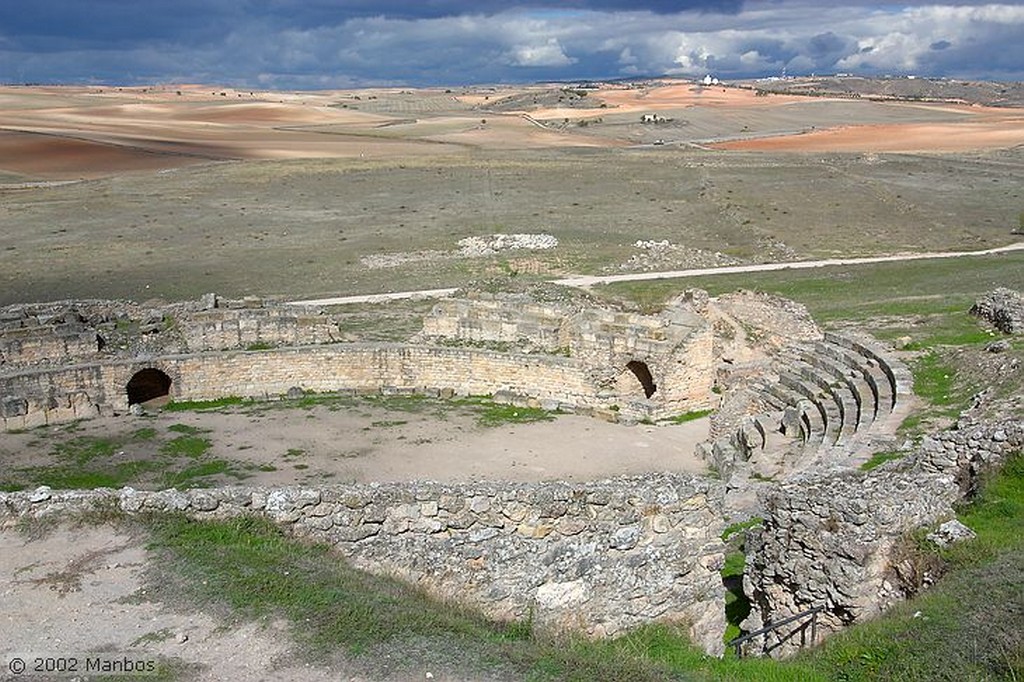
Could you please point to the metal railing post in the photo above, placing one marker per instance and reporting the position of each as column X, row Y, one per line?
column 737, row 643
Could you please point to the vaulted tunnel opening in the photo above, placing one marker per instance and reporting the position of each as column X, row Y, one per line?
column 148, row 384
column 643, row 374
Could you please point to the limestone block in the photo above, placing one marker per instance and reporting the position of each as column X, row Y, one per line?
column 480, row 504
column 660, row 523
column 322, row 509
column 536, row 531
column 293, row 498
column 570, row 525
column 625, row 538
column 950, row 532
column 204, row 502
column 559, row 596
column 320, row 523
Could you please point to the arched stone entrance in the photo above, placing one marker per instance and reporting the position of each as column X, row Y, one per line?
column 643, row 374
column 148, row 384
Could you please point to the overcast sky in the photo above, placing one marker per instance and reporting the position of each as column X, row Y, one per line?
column 312, row 44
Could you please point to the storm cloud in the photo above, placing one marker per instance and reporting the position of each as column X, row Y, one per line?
column 326, row 43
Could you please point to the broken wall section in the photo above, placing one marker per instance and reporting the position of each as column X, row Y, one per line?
column 828, row 539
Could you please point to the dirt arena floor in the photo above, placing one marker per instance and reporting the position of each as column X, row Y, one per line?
column 354, row 442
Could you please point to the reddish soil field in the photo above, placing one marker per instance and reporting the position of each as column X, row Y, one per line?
column 59, row 133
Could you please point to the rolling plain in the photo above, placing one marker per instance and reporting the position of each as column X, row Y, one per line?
column 173, row 191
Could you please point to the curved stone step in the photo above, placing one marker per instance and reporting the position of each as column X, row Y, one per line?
column 811, row 394
column 873, row 377
column 898, row 377
column 844, row 403
column 784, row 397
column 850, row 376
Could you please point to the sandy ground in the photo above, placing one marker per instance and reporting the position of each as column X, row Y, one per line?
column 990, row 130
column 364, row 443
column 56, row 133
column 76, row 593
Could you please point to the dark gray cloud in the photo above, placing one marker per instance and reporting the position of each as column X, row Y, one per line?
column 336, row 43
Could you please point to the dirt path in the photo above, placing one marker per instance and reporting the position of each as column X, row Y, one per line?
column 584, row 281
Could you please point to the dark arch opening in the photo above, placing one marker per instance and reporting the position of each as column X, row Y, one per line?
column 147, row 384
column 643, row 375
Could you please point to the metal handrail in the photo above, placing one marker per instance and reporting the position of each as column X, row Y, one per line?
column 813, row 613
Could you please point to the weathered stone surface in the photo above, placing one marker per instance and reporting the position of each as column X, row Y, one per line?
column 1004, row 308
column 949, row 532
column 584, row 570
column 827, row 538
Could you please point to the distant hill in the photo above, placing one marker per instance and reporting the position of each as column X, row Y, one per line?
column 902, row 88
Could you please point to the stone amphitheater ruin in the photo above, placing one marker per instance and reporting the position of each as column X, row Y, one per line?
column 794, row 412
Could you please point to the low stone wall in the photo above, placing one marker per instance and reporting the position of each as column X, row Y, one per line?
column 595, row 557
column 828, row 539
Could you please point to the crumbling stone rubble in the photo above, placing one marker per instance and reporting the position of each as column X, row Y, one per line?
column 1004, row 308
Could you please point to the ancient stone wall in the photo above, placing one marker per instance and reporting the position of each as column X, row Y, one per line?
column 70, row 332
column 769, row 320
column 34, row 340
column 828, row 538
column 555, row 349
column 588, row 557
column 49, row 396
column 648, row 366
column 521, row 324
column 1004, row 308
column 224, row 329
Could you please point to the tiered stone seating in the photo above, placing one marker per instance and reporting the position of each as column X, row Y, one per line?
column 841, row 388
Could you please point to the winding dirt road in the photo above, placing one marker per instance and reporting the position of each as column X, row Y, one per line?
column 584, row 281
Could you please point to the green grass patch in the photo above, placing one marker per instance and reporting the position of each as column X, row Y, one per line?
column 935, row 380
column 740, row 527
column 187, row 429
column 193, row 476
column 737, row 605
column 66, row 477
column 146, row 433
column 186, row 445
column 996, row 515
column 250, row 565
column 879, row 458
column 688, row 417
column 952, row 328
column 84, row 449
column 200, row 405
column 493, row 414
